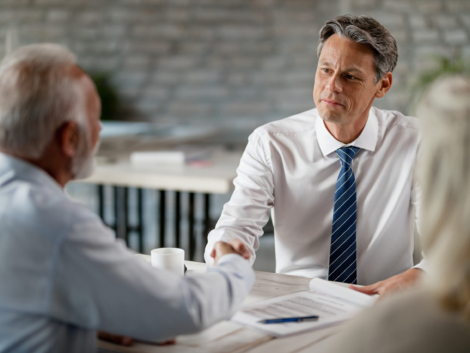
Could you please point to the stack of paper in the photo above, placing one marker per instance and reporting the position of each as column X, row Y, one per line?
column 167, row 157
column 331, row 302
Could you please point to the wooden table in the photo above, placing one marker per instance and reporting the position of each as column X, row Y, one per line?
column 229, row 337
column 215, row 178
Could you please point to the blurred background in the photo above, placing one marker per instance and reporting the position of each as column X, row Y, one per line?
column 223, row 66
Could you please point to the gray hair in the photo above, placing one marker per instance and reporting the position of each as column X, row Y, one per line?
column 365, row 30
column 445, row 179
column 37, row 95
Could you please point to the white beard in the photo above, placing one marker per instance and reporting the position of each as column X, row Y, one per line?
column 84, row 166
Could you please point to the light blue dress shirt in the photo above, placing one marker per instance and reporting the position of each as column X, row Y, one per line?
column 63, row 276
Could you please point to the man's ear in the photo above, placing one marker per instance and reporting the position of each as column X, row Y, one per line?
column 68, row 138
column 384, row 85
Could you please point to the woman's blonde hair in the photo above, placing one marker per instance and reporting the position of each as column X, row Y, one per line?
column 445, row 179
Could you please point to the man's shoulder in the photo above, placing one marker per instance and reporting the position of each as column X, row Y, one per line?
column 46, row 209
column 298, row 123
column 391, row 119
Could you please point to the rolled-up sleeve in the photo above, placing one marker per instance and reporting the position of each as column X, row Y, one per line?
column 245, row 215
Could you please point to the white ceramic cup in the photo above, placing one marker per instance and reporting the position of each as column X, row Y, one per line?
column 171, row 259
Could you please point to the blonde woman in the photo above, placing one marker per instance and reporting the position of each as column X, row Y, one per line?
column 435, row 317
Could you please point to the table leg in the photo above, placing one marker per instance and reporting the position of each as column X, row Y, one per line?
column 177, row 219
column 207, row 217
column 121, row 217
column 162, row 217
column 192, row 236
column 116, row 210
column 101, row 202
column 125, row 214
column 140, row 219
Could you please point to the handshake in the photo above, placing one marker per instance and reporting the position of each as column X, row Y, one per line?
column 235, row 246
column 221, row 248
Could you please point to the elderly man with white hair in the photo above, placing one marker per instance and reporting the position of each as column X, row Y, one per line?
column 63, row 275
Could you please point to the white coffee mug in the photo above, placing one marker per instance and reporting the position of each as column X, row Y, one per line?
column 171, row 259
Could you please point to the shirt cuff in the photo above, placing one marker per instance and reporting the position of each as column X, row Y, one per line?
column 237, row 265
column 214, row 237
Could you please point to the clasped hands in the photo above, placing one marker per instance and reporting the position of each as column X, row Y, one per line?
column 234, row 246
column 221, row 248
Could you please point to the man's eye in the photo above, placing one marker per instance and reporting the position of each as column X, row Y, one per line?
column 350, row 77
column 326, row 70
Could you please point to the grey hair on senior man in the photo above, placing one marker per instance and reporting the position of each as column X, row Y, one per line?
column 365, row 30
column 37, row 95
column 444, row 172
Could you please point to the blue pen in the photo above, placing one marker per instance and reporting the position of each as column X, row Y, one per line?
column 289, row 319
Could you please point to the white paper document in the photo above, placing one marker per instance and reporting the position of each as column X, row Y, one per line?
column 331, row 302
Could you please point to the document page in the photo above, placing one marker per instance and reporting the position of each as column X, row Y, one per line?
column 331, row 302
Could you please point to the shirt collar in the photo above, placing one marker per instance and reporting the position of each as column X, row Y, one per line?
column 367, row 139
column 15, row 168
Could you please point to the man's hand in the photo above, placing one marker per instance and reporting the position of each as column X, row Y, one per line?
column 392, row 284
column 128, row 341
column 235, row 246
column 117, row 339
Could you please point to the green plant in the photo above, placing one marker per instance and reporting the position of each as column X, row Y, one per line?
column 445, row 66
column 108, row 95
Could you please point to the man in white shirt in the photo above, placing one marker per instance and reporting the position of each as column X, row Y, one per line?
column 346, row 216
column 63, row 275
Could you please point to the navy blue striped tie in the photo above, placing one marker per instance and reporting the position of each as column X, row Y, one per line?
column 343, row 233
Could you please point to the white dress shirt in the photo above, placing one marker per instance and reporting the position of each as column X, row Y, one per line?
column 63, row 276
column 290, row 167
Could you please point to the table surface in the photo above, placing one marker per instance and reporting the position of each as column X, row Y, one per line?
column 215, row 178
column 229, row 337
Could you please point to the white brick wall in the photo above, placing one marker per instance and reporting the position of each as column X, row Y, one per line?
column 426, row 28
column 221, row 61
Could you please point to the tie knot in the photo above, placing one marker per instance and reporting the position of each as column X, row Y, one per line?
column 346, row 154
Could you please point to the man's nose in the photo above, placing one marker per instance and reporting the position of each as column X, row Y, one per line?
column 334, row 84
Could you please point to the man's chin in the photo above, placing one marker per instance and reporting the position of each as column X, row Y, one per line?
column 329, row 117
